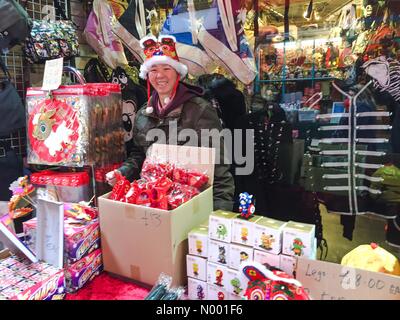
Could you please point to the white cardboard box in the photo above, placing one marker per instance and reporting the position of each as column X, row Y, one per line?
column 298, row 239
column 217, row 274
column 234, row 283
column 140, row 242
column 268, row 235
column 198, row 241
column 288, row 264
column 265, row 257
column 239, row 254
column 197, row 290
column 196, row 267
column 218, row 252
column 216, row 293
column 220, row 226
column 243, row 230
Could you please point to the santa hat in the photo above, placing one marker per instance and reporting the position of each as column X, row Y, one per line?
column 161, row 51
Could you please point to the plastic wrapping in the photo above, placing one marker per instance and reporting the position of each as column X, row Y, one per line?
column 77, row 125
column 160, row 288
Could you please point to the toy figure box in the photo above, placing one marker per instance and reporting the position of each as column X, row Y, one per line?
column 217, row 274
column 197, row 290
column 288, row 264
column 218, row 252
column 220, row 226
column 239, row 254
column 268, row 235
column 243, row 231
column 196, row 267
column 216, row 293
column 198, row 241
column 141, row 242
column 269, row 258
column 298, row 239
column 235, row 284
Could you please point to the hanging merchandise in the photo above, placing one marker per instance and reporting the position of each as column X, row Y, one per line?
column 221, row 41
column 99, row 35
column 385, row 73
column 96, row 71
column 134, row 25
column 52, row 39
column 119, row 6
column 384, row 32
column 76, row 125
column 15, row 24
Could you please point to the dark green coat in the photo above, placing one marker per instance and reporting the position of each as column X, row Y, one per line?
column 196, row 113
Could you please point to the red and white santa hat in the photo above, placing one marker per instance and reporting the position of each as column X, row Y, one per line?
column 161, row 51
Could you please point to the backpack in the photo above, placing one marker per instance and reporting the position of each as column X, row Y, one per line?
column 15, row 24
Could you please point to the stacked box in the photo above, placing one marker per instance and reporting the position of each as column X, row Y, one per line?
column 23, row 280
column 198, row 241
column 220, row 225
column 197, row 290
column 216, row 293
column 299, row 240
column 239, row 254
column 273, row 260
column 243, row 230
column 235, row 285
column 288, row 264
column 217, row 274
column 268, row 235
column 196, row 267
column 219, row 252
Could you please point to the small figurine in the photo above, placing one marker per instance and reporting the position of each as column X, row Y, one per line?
column 298, row 247
column 221, row 256
column 246, row 208
column 244, row 234
column 199, row 246
column 221, row 296
column 221, row 231
column 266, row 241
column 195, row 269
column 200, row 292
column 218, row 278
column 243, row 256
column 235, row 282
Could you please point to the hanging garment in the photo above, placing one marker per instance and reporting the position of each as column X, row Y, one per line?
column 385, row 73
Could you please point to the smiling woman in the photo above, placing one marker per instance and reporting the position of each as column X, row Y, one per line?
column 174, row 104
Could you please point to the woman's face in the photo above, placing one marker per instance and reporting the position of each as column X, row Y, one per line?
column 163, row 77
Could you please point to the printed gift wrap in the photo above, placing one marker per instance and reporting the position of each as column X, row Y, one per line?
column 76, row 125
column 83, row 271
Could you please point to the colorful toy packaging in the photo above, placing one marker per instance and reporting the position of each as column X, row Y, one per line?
column 270, row 259
column 216, row 293
column 263, row 284
column 235, row 284
column 218, row 252
column 196, row 267
column 288, row 264
column 83, row 271
column 268, row 235
column 198, row 241
column 217, row 274
column 220, row 226
column 298, row 240
column 197, row 290
column 22, row 280
column 239, row 254
column 243, row 231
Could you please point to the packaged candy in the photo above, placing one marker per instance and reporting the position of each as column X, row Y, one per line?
column 120, row 188
column 180, row 194
column 189, row 177
column 153, row 169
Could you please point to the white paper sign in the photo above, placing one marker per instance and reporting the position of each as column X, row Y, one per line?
column 332, row 281
column 53, row 74
column 50, row 232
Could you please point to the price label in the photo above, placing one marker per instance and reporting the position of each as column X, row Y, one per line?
column 53, row 74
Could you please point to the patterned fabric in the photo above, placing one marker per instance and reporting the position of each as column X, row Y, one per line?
column 51, row 40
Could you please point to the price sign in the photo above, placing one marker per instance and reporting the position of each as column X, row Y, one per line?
column 52, row 74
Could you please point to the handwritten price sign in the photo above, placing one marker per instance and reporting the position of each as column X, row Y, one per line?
column 331, row 281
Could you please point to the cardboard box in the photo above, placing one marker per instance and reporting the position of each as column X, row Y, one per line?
column 140, row 242
column 268, row 235
column 218, row 252
column 217, row 274
column 271, row 259
column 243, row 231
column 220, row 225
column 288, row 264
column 197, row 290
column 298, row 239
column 198, row 241
column 235, row 285
column 196, row 267
column 239, row 254
column 216, row 293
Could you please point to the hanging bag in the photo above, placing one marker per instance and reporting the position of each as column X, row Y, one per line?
column 384, row 31
column 99, row 35
column 15, row 24
column 11, row 108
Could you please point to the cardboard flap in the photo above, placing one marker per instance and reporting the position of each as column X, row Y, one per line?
column 198, row 158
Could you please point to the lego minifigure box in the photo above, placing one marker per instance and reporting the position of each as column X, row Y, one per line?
column 221, row 225
column 140, row 242
column 198, row 241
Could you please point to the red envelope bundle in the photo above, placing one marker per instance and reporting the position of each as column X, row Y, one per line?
column 153, row 171
column 120, row 189
column 189, row 177
column 180, row 194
